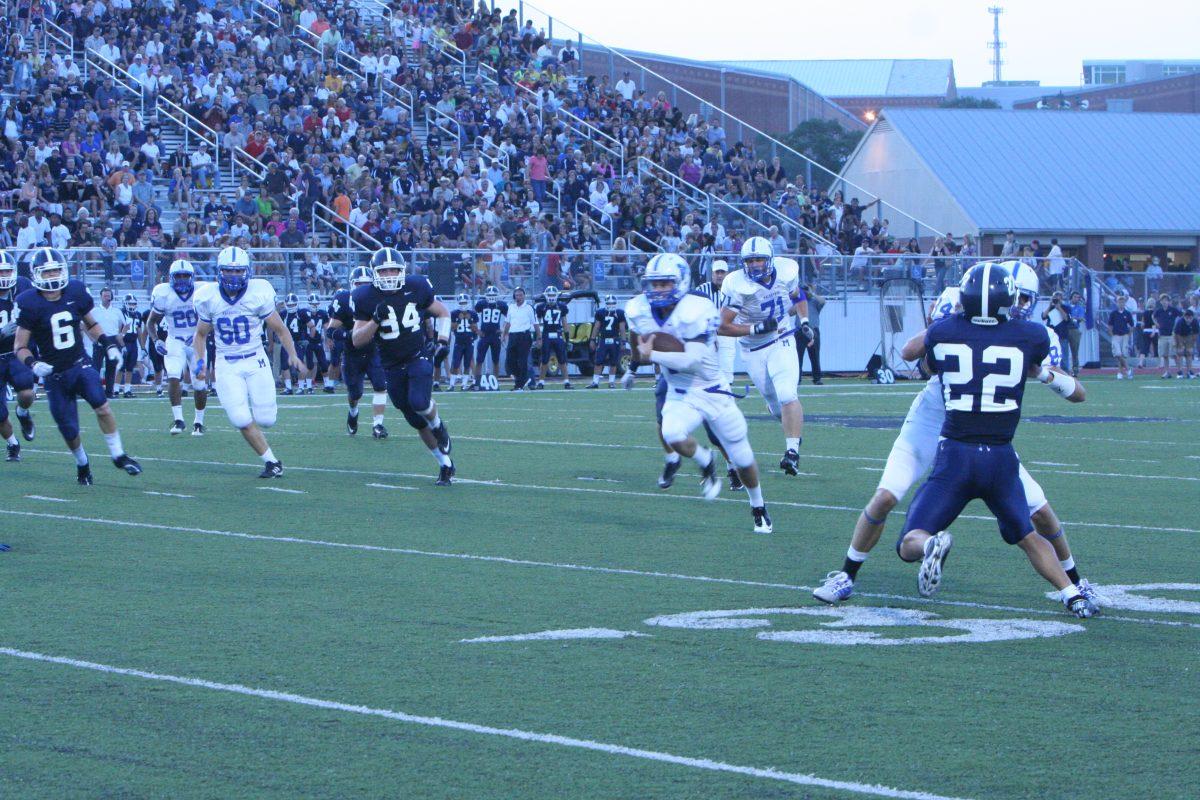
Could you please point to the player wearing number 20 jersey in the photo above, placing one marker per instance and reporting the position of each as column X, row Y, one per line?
column 173, row 303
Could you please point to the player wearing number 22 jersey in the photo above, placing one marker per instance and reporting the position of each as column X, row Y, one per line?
column 391, row 311
column 49, row 319
column 233, row 311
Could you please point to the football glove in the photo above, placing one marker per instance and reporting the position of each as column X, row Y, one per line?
column 766, row 326
column 9, row 329
column 160, row 347
column 41, row 369
column 806, row 329
column 440, row 351
column 382, row 312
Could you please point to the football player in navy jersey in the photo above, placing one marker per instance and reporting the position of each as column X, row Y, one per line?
column 49, row 319
column 491, row 311
column 314, row 355
column 358, row 363
column 134, row 324
column 12, row 372
column 391, row 312
column 983, row 359
column 608, row 332
column 465, row 324
column 147, row 345
column 551, row 316
column 295, row 319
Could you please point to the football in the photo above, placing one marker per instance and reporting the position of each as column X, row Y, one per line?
column 666, row 343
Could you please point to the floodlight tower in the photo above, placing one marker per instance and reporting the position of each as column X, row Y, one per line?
column 995, row 45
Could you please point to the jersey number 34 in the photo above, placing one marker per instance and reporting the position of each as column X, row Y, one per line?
column 410, row 318
column 960, row 384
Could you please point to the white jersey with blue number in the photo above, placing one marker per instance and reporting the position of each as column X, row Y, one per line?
column 178, row 314
column 754, row 302
column 236, row 327
column 694, row 317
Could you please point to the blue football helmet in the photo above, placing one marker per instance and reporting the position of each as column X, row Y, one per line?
column 314, row 300
column 665, row 268
column 233, row 269
column 49, row 270
column 8, row 271
column 182, row 275
column 758, row 259
column 463, row 301
column 491, row 294
column 987, row 293
column 551, row 294
column 292, row 302
column 390, row 269
column 361, row 275
column 1027, row 288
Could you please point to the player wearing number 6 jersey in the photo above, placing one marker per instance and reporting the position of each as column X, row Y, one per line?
column 233, row 311
column 49, row 318
column 762, row 299
column 173, row 303
column 391, row 311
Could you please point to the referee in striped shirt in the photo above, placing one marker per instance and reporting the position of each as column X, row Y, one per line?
column 712, row 290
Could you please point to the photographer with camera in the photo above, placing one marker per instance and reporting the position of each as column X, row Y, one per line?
column 1058, row 317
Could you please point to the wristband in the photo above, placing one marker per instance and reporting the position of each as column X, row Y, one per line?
column 29, row 361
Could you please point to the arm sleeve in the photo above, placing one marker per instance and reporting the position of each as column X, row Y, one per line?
column 202, row 311
column 425, row 296
column 692, row 355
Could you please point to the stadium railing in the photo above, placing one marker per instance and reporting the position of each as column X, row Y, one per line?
column 93, row 62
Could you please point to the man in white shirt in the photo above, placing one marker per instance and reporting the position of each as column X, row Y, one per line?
column 518, row 331
column 202, row 171
column 60, row 234
column 112, row 322
column 1055, row 265
column 626, row 87
column 29, row 236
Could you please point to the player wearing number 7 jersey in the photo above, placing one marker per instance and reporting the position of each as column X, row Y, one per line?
column 173, row 304
column 234, row 310
column 391, row 311
column 49, row 318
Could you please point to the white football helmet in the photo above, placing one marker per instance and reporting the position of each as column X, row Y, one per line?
column 43, row 264
column 491, row 294
column 233, row 269
column 463, row 301
column 551, row 294
column 1028, row 285
column 758, row 259
column 389, row 260
column 662, row 268
column 8, row 271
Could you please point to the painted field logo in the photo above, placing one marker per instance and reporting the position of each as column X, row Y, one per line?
column 1130, row 597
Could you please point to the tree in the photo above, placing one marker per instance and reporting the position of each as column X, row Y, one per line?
column 968, row 102
column 824, row 141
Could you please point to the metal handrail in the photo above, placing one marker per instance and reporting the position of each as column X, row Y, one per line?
column 435, row 117
column 604, row 221
column 119, row 75
column 355, row 68
column 655, row 171
column 237, row 156
column 501, row 156
column 261, row 11
column 784, row 220
column 342, row 227
column 58, row 35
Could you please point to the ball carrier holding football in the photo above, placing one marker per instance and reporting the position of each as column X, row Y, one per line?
column 761, row 297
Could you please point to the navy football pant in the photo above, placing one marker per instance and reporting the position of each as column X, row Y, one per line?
column 556, row 346
column 314, row 355
column 410, row 387
column 356, row 368
column 461, row 357
column 488, row 345
column 64, row 389
column 608, row 354
column 963, row 472
column 15, row 374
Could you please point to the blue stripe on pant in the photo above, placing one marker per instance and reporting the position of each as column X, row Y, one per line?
column 963, row 472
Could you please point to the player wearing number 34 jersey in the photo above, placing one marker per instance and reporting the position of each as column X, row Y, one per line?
column 233, row 310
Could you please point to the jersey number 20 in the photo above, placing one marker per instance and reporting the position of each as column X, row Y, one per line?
column 409, row 318
column 965, row 374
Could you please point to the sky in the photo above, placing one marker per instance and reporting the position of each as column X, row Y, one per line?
column 1047, row 40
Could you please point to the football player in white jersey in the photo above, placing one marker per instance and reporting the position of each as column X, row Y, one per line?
column 696, row 391
column 915, row 448
column 234, row 310
column 173, row 303
column 763, row 296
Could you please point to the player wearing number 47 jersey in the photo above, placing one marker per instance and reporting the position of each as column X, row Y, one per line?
column 391, row 312
column 49, row 319
column 13, row 373
column 173, row 303
column 234, row 310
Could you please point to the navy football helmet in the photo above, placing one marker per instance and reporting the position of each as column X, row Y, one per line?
column 491, row 294
column 361, row 275
column 292, row 302
column 8, row 271
column 987, row 293
column 390, row 269
column 49, row 269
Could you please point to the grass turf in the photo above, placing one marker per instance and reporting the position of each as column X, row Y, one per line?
column 1105, row 712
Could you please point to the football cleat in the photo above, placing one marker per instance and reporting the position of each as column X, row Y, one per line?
column 930, row 575
column 14, row 452
column 128, row 394
column 594, row 385
column 351, row 423
column 330, row 390
column 735, row 480
column 378, row 432
column 445, row 475
column 762, row 520
column 566, row 384
column 158, row 392
column 790, row 463
column 668, row 474
column 474, row 387
column 443, row 438
column 126, row 463
column 4, row 548
column 197, row 429
column 272, row 469
column 177, row 427
column 84, row 475
column 612, row 384
column 836, row 588
column 183, row 393
column 288, row 392
column 540, row 385
column 1081, row 607
column 28, row 430
column 437, row 387
column 1088, row 591
column 710, row 484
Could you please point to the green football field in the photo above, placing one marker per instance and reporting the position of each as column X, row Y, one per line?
column 351, row 630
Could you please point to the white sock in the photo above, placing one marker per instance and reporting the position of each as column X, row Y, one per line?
column 1068, row 564
column 81, row 458
column 328, row 383
column 268, row 456
column 671, row 458
column 439, row 456
column 377, row 419
column 22, row 412
column 703, row 456
column 436, row 421
column 856, row 555
column 177, row 412
column 287, row 383
column 354, row 412
column 1070, row 591
column 793, row 443
column 199, row 416
column 12, row 439
column 113, row 440
column 756, row 500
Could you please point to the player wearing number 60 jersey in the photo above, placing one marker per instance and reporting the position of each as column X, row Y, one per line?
column 762, row 299
column 173, row 303
column 49, row 319
column 391, row 311
column 233, row 311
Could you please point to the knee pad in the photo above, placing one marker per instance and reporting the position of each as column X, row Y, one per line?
column 265, row 416
column 69, row 430
column 379, row 399
column 240, row 416
column 674, row 431
column 740, row 454
column 415, row 420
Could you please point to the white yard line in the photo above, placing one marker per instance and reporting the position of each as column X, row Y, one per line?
column 282, row 491
column 521, row 562
column 391, row 486
column 170, row 494
column 854, row 787
column 45, row 499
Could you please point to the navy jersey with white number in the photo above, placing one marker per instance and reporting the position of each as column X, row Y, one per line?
column 8, row 311
column 342, row 309
column 551, row 317
column 297, row 323
column 320, row 318
column 983, row 371
column 609, row 324
column 491, row 317
column 401, row 335
column 462, row 322
column 53, row 325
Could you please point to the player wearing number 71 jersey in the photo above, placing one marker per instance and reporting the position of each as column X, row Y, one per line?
column 234, row 310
